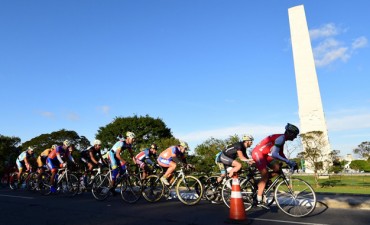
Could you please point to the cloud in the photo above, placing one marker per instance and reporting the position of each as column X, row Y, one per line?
column 46, row 114
column 359, row 42
column 349, row 122
column 225, row 132
column 326, row 30
column 73, row 116
column 104, row 109
column 328, row 49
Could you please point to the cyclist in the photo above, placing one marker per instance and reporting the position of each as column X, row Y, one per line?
column 91, row 158
column 143, row 159
column 24, row 163
column 237, row 150
column 41, row 161
column 117, row 163
column 166, row 157
column 266, row 151
column 56, row 159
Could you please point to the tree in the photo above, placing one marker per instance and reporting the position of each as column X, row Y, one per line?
column 147, row 130
column 45, row 141
column 9, row 151
column 363, row 149
column 336, row 165
column 360, row 165
column 313, row 142
column 205, row 154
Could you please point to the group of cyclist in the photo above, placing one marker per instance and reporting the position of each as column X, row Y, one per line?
column 265, row 155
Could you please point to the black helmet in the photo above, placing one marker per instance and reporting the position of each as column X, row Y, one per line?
column 290, row 128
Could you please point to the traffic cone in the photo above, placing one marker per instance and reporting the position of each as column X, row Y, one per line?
column 237, row 210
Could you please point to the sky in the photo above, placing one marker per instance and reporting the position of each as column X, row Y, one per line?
column 207, row 68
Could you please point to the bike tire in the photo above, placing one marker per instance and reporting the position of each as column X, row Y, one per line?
column 69, row 185
column 246, row 189
column 186, row 190
column 295, row 197
column 100, row 188
column 131, row 189
column 153, row 188
column 44, row 184
column 13, row 181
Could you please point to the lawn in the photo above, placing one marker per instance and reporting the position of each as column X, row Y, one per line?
column 350, row 184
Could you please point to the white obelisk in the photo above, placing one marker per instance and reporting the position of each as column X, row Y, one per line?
column 311, row 112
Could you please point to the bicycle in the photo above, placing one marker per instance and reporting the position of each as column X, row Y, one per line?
column 294, row 196
column 28, row 180
column 65, row 182
column 189, row 189
column 130, row 186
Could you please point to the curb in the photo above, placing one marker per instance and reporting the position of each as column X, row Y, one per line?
column 343, row 201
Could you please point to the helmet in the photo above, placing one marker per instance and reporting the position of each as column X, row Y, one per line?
column 290, row 128
column 54, row 146
column 129, row 134
column 67, row 143
column 97, row 142
column 30, row 148
column 184, row 144
column 247, row 137
column 154, row 146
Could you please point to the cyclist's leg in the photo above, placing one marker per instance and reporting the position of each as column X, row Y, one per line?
column 170, row 165
column 221, row 166
column 261, row 164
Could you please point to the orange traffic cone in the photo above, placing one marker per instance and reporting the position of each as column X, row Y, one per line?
column 237, row 210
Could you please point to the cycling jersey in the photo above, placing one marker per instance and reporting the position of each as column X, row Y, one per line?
column 41, row 160
column 231, row 151
column 144, row 157
column 20, row 159
column 85, row 155
column 115, row 162
column 167, row 156
column 56, row 157
column 270, row 148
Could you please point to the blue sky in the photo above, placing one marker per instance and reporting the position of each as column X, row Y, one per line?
column 207, row 68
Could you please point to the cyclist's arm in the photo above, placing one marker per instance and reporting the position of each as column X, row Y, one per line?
column 59, row 158
column 92, row 157
column 241, row 156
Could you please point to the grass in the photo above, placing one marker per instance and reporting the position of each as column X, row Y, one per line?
column 345, row 184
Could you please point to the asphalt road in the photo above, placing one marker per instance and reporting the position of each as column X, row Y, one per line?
column 22, row 207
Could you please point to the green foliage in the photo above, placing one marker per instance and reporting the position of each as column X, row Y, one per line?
column 363, row 150
column 147, row 130
column 360, row 165
column 205, row 154
column 337, row 166
column 9, row 151
column 45, row 141
column 313, row 142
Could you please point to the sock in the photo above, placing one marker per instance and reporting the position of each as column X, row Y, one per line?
column 259, row 198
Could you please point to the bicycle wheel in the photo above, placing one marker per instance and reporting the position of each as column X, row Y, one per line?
column 44, row 184
column 70, row 185
column 131, row 189
column 31, row 181
column 295, row 197
column 186, row 190
column 211, row 193
column 153, row 188
column 246, row 190
column 13, row 181
column 100, row 187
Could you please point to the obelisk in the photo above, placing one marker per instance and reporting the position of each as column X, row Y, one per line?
column 311, row 112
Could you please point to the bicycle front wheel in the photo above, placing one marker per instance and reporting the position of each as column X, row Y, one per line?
column 131, row 189
column 44, row 183
column 70, row 185
column 246, row 189
column 153, row 188
column 189, row 190
column 295, row 197
column 100, row 187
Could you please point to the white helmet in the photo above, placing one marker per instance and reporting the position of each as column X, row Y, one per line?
column 30, row 148
column 97, row 142
column 67, row 143
column 130, row 134
column 54, row 146
column 184, row 144
column 247, row 137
